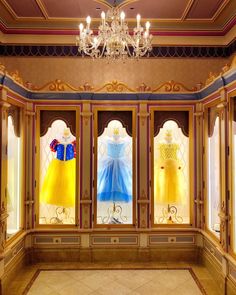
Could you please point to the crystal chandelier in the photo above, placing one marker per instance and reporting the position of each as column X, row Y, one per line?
column 113, row 39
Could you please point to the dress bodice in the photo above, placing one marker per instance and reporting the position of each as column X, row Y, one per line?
column 115, row 150
column 169, row 151
column 64, row 151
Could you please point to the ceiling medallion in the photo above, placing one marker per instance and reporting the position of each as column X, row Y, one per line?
column 113, row 40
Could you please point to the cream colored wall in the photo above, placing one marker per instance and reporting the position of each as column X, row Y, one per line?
column 77, row 71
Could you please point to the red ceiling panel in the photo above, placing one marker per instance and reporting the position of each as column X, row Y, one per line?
column 204, row 8
column 26, row 8
column 160, row 9
column 73, row 8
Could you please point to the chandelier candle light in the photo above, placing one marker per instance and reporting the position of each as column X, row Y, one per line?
column 113, row 39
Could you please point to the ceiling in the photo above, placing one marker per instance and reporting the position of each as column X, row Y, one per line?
column 167, row 17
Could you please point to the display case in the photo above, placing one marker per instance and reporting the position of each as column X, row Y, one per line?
column 172, row 167
column 56, row 169
column 213, row 169
column 14, row 170
column 115, row 169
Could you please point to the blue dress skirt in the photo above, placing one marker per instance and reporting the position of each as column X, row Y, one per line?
column 114, row 175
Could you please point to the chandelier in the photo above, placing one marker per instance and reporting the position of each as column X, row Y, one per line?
column 113, row 40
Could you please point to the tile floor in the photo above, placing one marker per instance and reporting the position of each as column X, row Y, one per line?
column 112, row 279
column 107, row 282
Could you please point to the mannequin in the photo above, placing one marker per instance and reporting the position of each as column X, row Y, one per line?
column 59, row 183
column 169, row 182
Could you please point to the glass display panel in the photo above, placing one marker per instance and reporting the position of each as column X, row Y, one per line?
column 13, row 180
column 171, row 175
column 57, row 175
column 114, row 175
column 214, row 179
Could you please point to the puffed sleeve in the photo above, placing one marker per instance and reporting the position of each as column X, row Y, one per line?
column 53, row 145
column 74, row 147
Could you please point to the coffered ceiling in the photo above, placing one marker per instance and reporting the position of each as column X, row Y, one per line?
column 167, row 17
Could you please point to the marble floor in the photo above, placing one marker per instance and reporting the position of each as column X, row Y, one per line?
column 113, row 279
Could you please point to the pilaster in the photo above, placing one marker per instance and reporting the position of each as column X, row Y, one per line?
column 29, row 117
column 199, row 202
column 224, row 215
column 143, row 155
column 86, row 160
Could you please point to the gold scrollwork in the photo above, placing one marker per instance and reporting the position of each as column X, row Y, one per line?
column 172, row 86
column 59, row 85
column 115, row 86
column 211, row 77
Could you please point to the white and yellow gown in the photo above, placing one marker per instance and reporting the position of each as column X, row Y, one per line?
column 169, row 179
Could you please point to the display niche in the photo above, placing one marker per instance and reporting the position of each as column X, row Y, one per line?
column 57, row 177
column 213, row 174
column 171, row 167
column 114, row 177
column 14, row 171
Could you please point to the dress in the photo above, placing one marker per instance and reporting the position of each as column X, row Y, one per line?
column 59, row 183
column 169, row 182
column 114, row 175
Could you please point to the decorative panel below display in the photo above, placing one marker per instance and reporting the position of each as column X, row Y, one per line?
column 104, row 240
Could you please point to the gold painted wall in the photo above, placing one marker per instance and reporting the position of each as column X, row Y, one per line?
column 77, row 71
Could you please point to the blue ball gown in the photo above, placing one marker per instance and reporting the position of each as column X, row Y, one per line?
column 114, row 174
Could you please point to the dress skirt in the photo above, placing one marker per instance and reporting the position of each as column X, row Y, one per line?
column 59, row 184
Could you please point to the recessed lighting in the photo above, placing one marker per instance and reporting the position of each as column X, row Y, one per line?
column 98, row 8
column 132, row 8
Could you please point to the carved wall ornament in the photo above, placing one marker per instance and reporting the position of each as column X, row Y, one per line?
column 143, row 88
column 172, row 86
column 225, row 68
column 57, row 85
column 211, row 77
column 86, row 87
column 2, row 68
column 115, row 86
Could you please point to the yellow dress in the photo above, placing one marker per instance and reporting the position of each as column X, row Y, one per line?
column 59, row 183
column 169, row 182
